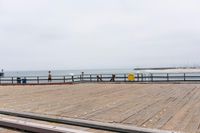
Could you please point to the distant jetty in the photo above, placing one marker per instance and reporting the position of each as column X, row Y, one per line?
column 166, row 68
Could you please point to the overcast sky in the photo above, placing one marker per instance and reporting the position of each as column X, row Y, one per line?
column 85, row 34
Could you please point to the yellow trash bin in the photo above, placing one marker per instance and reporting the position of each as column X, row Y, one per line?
column 131, row 77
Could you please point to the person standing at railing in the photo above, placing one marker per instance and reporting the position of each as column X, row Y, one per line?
column 24, row 80
column 82, row 76
column 113, row 78
column 49, row 77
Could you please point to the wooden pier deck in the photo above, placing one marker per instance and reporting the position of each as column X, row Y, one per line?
column 161, row 106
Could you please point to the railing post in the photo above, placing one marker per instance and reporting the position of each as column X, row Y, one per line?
column 0, row 80
column 184, row 77
column 142, row 76
column 72, row 78
column 167, row 77
column 151, row 77
column 12, row 80
column 64, row 79
column 80, row 78
column 38, row 80
column 124, row 77
column 138, row 77
column 90, row 78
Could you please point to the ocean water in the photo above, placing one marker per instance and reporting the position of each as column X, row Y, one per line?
column 65, row 72
column 60, row 76
column 100, row 71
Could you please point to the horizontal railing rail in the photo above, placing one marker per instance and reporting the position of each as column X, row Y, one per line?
column 138, row 77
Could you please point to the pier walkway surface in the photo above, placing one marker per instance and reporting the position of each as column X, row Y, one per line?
column 173, row 107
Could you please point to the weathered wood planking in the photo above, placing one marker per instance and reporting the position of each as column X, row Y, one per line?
column 162, row 106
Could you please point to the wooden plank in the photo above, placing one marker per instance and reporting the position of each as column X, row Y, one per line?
column 182, row 118
column 110, row 103
column 169, row 110
column 130, row 108
column 139, row 113
column 173, row 109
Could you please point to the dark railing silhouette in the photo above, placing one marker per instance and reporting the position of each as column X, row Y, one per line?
column 139, row 77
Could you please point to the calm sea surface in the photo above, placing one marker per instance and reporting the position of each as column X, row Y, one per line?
column 177, row 74
column 66, row 72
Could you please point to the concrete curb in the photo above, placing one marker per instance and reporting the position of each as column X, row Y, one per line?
column 85, row 123
column 35, row 127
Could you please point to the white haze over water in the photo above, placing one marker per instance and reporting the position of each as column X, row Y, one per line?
column 98, row 34
column 100, row 71
column 66, row 72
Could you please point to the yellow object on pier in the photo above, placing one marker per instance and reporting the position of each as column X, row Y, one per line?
column 131, row 77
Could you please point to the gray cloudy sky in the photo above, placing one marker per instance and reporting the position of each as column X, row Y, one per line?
column 84, row 34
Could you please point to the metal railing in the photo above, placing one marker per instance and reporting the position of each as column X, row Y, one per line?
column 139, row 77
